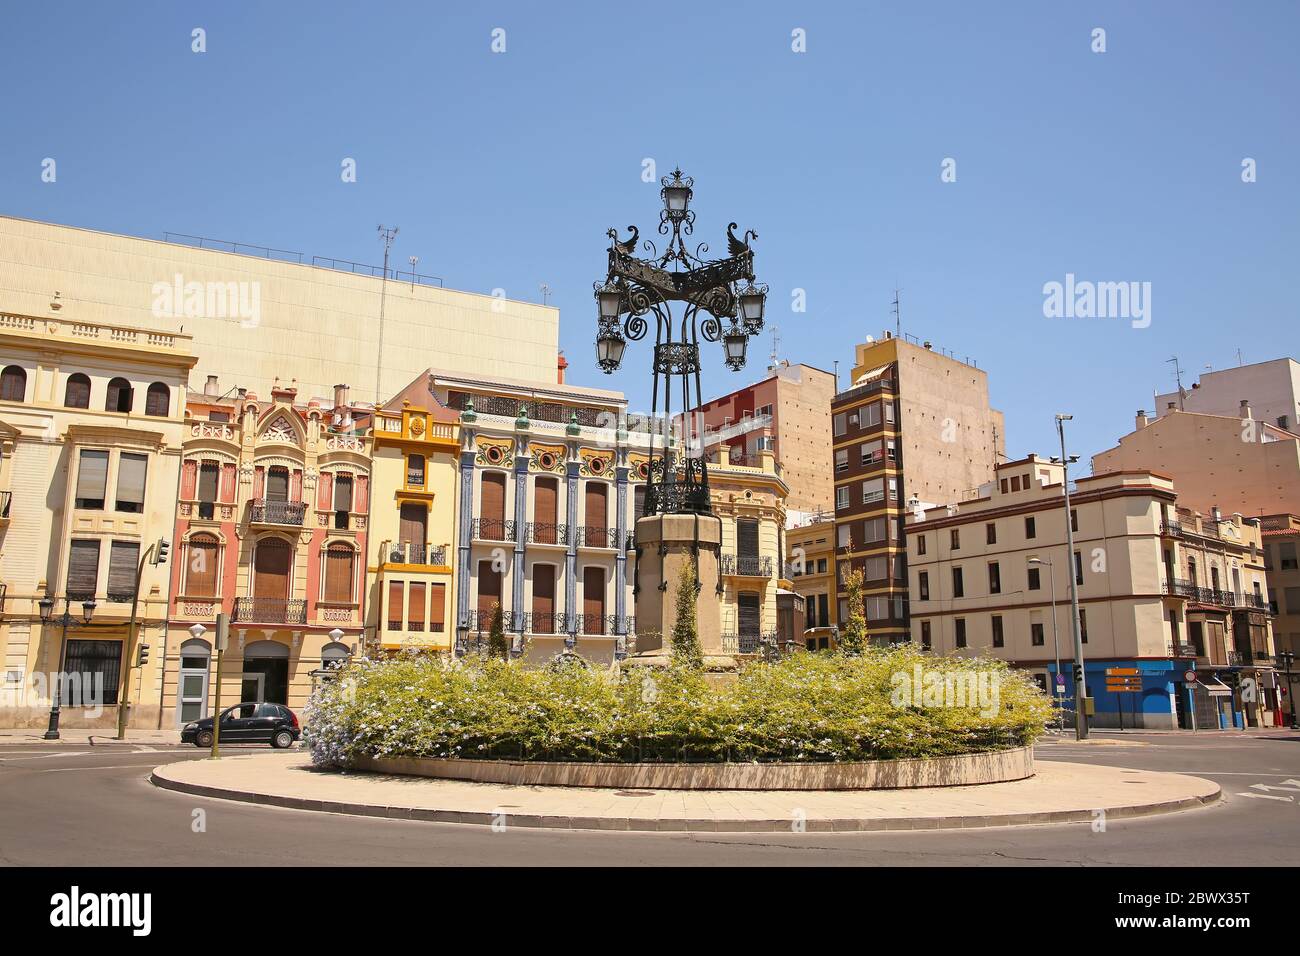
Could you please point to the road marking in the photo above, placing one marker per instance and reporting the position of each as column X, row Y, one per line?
column 1261, row 796
column 69, row 753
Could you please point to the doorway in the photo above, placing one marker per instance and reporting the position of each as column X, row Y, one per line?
column 266, row 673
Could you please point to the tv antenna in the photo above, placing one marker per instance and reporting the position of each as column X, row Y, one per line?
column 386, row 236
column 898, row 314
column 1178, row 377
column 546, row 291
column 413, row 260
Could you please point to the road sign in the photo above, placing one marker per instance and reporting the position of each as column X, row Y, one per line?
column 1189, row 676
column 1060, row 680
column 1219, row 691
column 1122, row 672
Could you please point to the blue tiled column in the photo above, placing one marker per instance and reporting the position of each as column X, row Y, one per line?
column 571, row 554
column 521, row 515
column 620, row 557
column 462, row 549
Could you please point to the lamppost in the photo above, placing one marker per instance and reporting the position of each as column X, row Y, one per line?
column 1056, row 644
column 1288, row 659
column 1080, row 683
column 634, row 288
column 65, row 620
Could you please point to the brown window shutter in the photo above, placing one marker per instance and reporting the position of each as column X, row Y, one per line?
column 277, row 484
column 747, row 537
column 92, row 475
column 411, row 529
column 343, row 492
column 201, row 567
column 437, row 607
column 395, row 595
column 489, row 589
column 340, row 563
column 209, row 472
column 271, row 569
column 492, row 501
column 596, row 495
column 123, row 558
column 545, row 501
column 748, row 613
column 83, row 569
column 415, row 607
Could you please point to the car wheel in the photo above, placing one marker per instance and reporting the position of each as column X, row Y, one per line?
column 282, row 740
column 203, row 739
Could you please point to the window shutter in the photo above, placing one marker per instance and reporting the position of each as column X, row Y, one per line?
column 271, row 569
column 747, row 613
column 596, row 500
column 201, row 567
column 492, row 502
column 437, row 607
column 343, row 493
column 361, row 496
column 123, row 558
column 83, row 569
column 227, row 483
column 157, row 401
column 189, row 480
column 324, row 491
column 208, row 476
column 415, row 607
column 339, row 567
column 131, row 471
column 747, row 537
column 545, row 501
column 295, row 485
column 395, row 605
column 92, row 475
column 411, row 529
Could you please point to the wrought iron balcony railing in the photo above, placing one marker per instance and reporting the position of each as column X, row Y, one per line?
column 541, row 532
column 546, row 622
column 1179, row 649
column 1181, row 588
column 747, row 565
column 412, row 552
column 1171, row 528
column 255, row 610
column 277, row 512
column 493, row 529
column 596, row 536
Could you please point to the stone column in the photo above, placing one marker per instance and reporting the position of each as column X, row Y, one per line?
column 465, row 535
column 571, row 553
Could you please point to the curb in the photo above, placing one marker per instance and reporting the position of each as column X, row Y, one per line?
column 679, row 825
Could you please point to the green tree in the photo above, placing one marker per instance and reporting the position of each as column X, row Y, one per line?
column 853, row 632
column 686, row 632
column 497, row 646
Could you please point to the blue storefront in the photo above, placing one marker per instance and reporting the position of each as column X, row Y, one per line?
column 1157, row 706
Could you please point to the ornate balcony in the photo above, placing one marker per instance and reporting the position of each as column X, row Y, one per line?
column 546, row 622
column 1172, row 529
column 281, row 513
column 1180, row 650
column 747, row 565
column 596, row 536
column 1180, row 588
column 254, row 610
column 412, row 552
column 492, row 529
column 538, row 532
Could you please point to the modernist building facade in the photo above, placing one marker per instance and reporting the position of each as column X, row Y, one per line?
column 272, row 530
column 810, row 551
column 91, row 424
column 991, row 576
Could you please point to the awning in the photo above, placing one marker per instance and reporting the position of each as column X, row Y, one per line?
column 870, row 376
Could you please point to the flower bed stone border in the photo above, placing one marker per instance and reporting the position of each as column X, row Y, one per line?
column 955, row 771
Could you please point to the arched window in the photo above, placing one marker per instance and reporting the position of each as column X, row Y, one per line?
column 334, row 655
column 203, row 553
column 158, row 400
column 13, row 384
column 272, row 560
column 119, row 396
column 340, row 564
column 77, row 392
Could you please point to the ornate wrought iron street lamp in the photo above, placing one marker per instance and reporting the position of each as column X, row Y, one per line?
column 635, row 288
column 65, row 620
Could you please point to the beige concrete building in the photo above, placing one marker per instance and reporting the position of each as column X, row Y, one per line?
column 91, row 420
column 1234, row 463
column 262, row 317
column 810, row 552
column 1160, row 592
column 787, row 413
column 916, row 424
column 1281, row 544
column 1272, row 389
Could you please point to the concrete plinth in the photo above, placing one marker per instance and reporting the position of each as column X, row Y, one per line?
column 668, row 545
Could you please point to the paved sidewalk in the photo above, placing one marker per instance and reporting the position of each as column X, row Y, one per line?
column 1058, row 793
column 82, row 736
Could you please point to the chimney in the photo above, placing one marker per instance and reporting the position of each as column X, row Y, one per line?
column 1142, row 418
column 1216, row 514
column 561, row 363
column 1245, row 410
column 210, row 389
column 1171, row 406
column 342, row 417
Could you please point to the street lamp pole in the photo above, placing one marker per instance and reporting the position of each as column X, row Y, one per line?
column 46, row 606
column 1056, row 643
column 1080, row 682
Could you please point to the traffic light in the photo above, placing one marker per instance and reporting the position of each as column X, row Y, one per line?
column 1078, row 673
column 160, row 551
column 142, row 655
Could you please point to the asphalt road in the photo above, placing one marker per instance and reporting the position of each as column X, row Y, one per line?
column 74, row 805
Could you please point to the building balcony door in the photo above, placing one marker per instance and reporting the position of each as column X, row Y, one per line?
column 489, row 594
column 413, row 531
column 543, row 612
column 492, row 506
column 546, row 510
column 593, row 600
column 596, row 517
column 271, row 569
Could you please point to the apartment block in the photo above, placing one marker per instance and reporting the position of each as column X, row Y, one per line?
column 1162, row 592
column 810, row 553
column 788, row 414
column 916, row 424
column 1271, row 389
column 91, row 426
column 271, row 529
column 1281, row 544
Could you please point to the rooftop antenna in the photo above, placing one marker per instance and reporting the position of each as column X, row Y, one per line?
column 386, row 236
column 1240, row 359
column 412, row 260
column 776, row 340
column 898, row 314
column 546, row 291
column 1178, row 377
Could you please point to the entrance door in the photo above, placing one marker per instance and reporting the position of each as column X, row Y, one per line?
column 252, row 687
column 596, row 519
column 546, row 510
column 492, row 506
column 543, row 621
column 192, row 683
column 489, row 594
column 266, row 672
column 748, row 617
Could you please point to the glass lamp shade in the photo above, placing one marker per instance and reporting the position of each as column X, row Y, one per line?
column 609, row 299
column 46, row 605
column 734, row 341
column 88, row 610
column 676, row 199
column 609, row 350
column 752, row 302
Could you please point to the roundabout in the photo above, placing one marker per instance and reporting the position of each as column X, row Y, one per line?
column 1058, row 792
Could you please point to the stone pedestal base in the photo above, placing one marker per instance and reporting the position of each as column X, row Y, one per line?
column 668, row 545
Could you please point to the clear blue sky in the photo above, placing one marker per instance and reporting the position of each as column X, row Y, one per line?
column 504, row 170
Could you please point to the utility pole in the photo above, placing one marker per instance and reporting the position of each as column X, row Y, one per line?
column 386, row 236
column 156, row 554
column 1080, row 682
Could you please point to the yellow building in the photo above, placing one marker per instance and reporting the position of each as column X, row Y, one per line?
column 413, row 523
column 91, row 426
column 810, row 551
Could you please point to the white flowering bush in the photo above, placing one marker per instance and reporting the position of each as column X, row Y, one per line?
column 806, row 707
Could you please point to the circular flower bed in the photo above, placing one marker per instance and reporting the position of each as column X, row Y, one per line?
column 886, row 704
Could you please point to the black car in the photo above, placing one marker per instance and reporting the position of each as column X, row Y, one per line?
column 247, row 723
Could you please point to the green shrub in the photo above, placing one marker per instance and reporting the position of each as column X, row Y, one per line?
column 806, row 707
